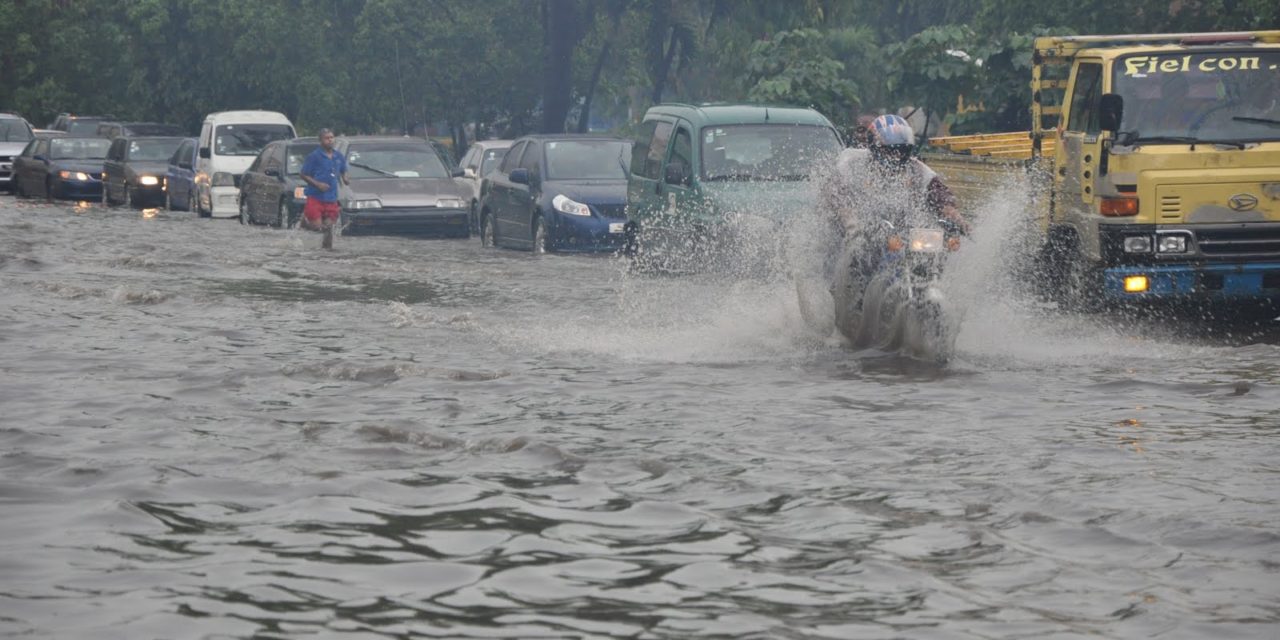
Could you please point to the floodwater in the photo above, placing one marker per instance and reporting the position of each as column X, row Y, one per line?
column 213, row 431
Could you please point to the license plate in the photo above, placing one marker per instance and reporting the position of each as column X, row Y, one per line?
column 616, row 227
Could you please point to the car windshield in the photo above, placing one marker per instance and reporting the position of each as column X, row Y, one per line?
column 295, row 155
column 1211, row 96
column 83, row 127
column 14, row 130
column 394, row 161
column 152, row 129
column 153, row 150
column 491, row 159
column 247, row 139
column 79, row 148
column 588, row 159
column 765, row 151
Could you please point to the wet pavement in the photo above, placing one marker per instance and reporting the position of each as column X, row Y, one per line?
column 211, row 430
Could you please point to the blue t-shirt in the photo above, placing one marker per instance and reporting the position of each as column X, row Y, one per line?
column 324, row 169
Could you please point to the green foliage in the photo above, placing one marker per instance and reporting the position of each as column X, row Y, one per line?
column 796, row 67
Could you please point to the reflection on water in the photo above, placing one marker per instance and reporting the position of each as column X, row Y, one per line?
column 213, row 430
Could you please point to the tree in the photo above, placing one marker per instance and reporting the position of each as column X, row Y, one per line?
column 796, row 67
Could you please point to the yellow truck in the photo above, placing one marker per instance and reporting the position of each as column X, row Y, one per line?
column 1158, row 159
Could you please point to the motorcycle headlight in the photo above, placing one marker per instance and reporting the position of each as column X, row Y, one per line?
column 565, row 205
column 148, row 181
column 927, row 240
column 449, row 203
column 1137, row 244
column 364, row 205
column 222, row 179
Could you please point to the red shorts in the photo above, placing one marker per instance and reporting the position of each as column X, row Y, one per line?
column 315, row 209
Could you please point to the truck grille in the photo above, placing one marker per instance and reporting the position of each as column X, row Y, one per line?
column 1240, row 242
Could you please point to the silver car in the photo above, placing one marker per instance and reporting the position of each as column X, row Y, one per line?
column 481, row 158
column 399, row 185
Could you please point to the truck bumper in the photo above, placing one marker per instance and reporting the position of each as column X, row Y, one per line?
column 1257, row 281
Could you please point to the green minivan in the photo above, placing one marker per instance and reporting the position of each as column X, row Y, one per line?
column 702, row 173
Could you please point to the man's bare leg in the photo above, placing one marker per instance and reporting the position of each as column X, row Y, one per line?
column 327, row 243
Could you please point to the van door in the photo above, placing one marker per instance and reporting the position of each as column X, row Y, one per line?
column 1079, row 151
column 681, row 196
column 645, row 195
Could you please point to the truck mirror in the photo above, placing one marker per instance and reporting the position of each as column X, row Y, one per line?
column 676, row 173
column 1110, row 109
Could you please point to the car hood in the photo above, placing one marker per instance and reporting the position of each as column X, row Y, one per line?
column 773, row 200
column 11, row 148
column 598, row 192
column 78, row 164
column 405, row 192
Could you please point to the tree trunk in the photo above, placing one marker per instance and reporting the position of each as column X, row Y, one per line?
column 660, row 78
column 585, row 117
column 561, row 17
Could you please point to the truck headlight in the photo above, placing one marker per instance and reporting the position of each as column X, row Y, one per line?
column 565, row 205
column 1172, row 244
column 1137, row 244
column 148, row 181
column 364, row 205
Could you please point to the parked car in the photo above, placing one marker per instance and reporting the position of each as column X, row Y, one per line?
column 400, row 185
column 134, row 168
column 113, row 130
column 483, row 156
column 78, row 125
column 61, row 167
column 180, row 178
column 705, row 178
column 558, row 193
column 229, row 141
column 15, row 133
column 446, row 153
column 271, row 190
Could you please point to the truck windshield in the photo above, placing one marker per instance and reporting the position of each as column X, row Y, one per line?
column 1227, row 96
column 765, row 151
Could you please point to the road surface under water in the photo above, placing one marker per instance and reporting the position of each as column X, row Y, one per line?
column 214, row 431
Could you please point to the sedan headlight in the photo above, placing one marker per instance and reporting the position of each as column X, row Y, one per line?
column 222, row 179
column 449, row 203
column 148, row 181
column 1137, row 244
column 364, row 205
column 1172, row 244
column 565, row 205
column 74, row 175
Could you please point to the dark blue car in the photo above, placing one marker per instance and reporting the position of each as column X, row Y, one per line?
column 180, row 178
column 68, row 168
column 558, row 193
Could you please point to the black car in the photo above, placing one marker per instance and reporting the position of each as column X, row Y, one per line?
column 78, row 125
column 564, row 192
column 113, row 130
column 66, row 167
column 271, row 189
column 134, row 171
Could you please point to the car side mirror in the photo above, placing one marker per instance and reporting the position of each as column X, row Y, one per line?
column 271, row 173
column 519, row 176
column 469, row 172
column 204, row 152
column 676, row 173
column 184, row 164
column 1110, row 109
column 457, row 173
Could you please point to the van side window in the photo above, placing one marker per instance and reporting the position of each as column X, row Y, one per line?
column 657, row 150
column 682, row 149
column 640, row 149
column 1085, row 98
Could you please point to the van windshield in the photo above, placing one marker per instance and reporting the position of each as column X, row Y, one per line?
column 765, row 151
column 1228, row 96
column 247, row 139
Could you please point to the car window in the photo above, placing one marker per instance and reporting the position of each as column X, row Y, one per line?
column 531, row 159
column 152, row 150
column 469, row 158
column 513, row 156
column 78, row 148
column 296, row 155
column 14, row 130
column 82, row 128
column 587, row 160
column 640, row 149
column 375, row 160
column 1085, row 98
column 657, row 150
column 490, row 158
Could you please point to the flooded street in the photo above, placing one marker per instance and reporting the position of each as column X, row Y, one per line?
column 211, row 430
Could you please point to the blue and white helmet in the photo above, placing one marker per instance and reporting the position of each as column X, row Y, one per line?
column 891, row 131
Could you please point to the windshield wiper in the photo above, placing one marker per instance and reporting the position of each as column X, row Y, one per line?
column 1256, row 120
column 373, row 169
column 1136, row 140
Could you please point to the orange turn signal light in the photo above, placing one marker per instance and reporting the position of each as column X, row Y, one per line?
column 1118, row 207
column 896, row 243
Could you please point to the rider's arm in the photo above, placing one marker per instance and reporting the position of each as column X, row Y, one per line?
column 943, row 203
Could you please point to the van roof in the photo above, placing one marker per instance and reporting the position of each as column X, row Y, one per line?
column 719, row 113
column 248, row 117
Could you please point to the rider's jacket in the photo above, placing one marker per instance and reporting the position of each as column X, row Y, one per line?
column 859, row 190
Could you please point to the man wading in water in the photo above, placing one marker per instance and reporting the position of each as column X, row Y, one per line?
column 321, row 170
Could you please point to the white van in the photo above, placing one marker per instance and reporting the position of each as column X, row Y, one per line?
column 229, row 142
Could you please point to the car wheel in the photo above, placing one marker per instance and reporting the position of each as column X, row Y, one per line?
column 282, row 215
column 488, row 232
column 539, row 235
column 244, row 214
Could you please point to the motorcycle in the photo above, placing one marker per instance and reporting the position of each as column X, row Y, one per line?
column 885, row 294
